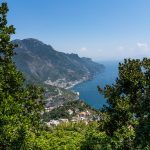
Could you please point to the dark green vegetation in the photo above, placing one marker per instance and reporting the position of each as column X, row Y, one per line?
column 127, row 117
column 125, row 123
column 20, row 106
column 41, row 62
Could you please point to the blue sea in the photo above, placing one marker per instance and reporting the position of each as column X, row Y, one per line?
column 88, row 89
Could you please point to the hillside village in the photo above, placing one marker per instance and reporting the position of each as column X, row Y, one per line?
column 62, row 106
column 63, row 83
column 84, row 116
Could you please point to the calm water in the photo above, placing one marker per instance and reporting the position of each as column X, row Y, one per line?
column 88, row 90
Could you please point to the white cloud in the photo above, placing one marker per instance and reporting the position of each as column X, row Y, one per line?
column 116, row 51
column 83, row 49
column 142, row 46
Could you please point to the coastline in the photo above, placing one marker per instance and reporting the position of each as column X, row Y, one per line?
column 63, row 83
column 76, row 83
column 83, row 80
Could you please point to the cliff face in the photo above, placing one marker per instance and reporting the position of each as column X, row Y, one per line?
column 40, row 62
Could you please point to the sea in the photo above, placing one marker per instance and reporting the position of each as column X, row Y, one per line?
column 88, row 89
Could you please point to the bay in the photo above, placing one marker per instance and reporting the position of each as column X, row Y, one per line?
column 88, row 89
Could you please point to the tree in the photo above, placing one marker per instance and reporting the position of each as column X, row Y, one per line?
column 20, row 105
column 127, row 115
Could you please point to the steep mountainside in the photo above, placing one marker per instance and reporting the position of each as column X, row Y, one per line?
column 41, row 62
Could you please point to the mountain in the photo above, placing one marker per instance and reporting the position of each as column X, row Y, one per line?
column 41, row 62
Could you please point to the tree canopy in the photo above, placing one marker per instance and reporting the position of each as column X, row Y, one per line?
column 20, row 105
column 127, row 115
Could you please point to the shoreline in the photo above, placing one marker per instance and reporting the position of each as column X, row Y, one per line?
column 87, row 79
column 74, row 84
column 63, row 83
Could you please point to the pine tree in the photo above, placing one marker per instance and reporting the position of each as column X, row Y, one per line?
column 20, row 105
column 127, row 121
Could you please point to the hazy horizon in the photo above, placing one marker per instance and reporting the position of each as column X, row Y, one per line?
column 101, row 30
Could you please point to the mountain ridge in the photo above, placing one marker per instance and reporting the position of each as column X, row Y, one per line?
column 41, row 62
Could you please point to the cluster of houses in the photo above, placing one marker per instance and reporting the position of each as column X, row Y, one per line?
column 57, row 99
column 64, row 83
column 85, row 116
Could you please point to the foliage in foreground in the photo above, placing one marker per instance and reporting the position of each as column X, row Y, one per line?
column 20, row 106
column 126, row 118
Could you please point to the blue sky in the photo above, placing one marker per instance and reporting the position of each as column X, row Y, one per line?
column 100, row 29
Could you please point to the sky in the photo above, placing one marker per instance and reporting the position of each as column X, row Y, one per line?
column 99, row 29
